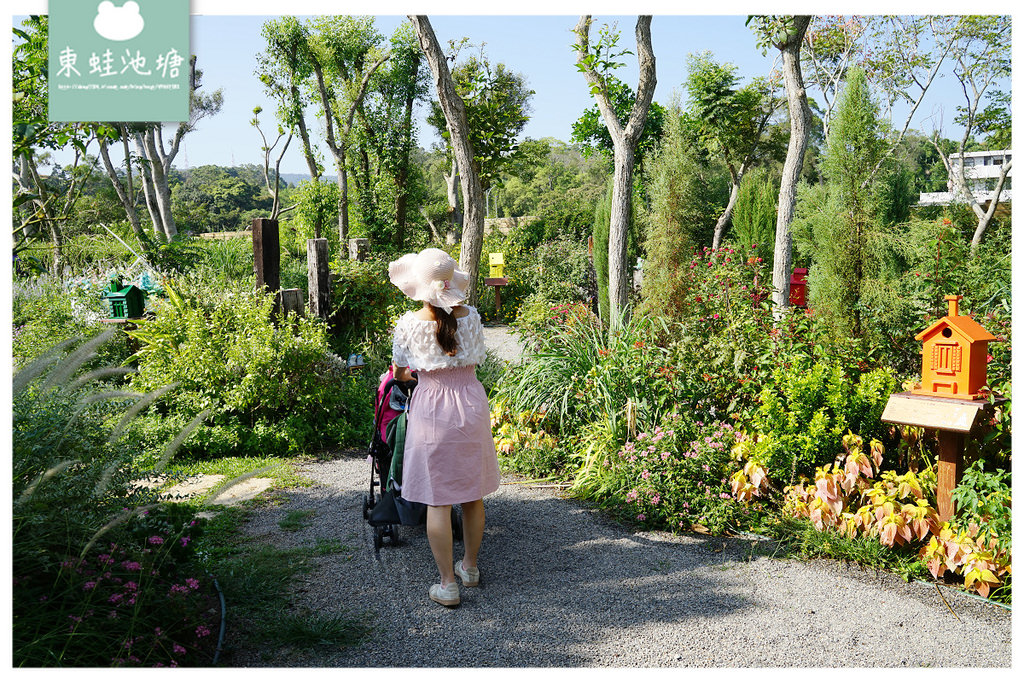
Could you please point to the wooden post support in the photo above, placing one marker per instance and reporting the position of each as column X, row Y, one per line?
column 951, row 467
column 290, row 301
column 952, row 420
column 497, row 283
column 266, row 250
column 319, row 278
column 358, row 248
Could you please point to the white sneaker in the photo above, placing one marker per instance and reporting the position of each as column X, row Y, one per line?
column 446, row 595
column 470, row 577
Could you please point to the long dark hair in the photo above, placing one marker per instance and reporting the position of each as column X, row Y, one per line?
column 447, row 326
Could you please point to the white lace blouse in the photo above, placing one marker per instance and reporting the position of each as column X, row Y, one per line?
column 415, row 343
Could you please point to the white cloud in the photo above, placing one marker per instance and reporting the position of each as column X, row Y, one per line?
column 118, row 23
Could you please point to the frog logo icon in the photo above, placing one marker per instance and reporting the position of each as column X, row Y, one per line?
column 118, row 23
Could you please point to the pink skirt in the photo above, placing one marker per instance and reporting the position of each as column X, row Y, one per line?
column 449, row 450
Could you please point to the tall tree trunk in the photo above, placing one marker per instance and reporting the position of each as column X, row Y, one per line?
column 799, row 131
column 146, row 178
column 307, row 147
column 161, row 185
column 454, row 228
column 619, row 273
column 43, row 201
column 624, row 142
column 723, row 220
column 455, row 115
column 402, row 177
column 123, row 193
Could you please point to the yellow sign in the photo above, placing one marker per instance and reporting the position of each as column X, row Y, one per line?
column 497, row 265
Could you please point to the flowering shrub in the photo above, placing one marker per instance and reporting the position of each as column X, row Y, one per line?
column 676, row 477
column 131, row 602
column 523, row 443
column 726, row 330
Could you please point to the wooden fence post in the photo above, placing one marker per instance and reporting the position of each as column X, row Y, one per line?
column 290, row 301
column 266, row 250
column 319, row 277
column 358, row 248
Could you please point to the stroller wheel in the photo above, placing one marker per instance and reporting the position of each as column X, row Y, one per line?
column 378, row 537
column 456, row 524
column 366, row 507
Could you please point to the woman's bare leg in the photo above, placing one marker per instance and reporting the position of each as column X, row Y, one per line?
column 472, row 531
column 439, row 534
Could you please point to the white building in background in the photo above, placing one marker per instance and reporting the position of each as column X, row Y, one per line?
column 982, row 171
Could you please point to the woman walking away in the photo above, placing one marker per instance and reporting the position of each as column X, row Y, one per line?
column 449, row 451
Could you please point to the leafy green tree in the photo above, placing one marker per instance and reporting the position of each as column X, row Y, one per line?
column 754, row 218
column 732, row 122
column 284, row 69
column 846, row 235
column 593, row 137
column 596, row 63
column 687, row 191
column 42, row 209
column 786, row 34
column 344, row 53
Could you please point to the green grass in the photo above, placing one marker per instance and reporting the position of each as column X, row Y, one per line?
column 254, row 577
column 799, row 538
column 296, row 520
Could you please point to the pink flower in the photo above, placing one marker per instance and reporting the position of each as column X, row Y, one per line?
column 88, row 585
column 192, row 583
column 131, row 566
column 655, row 499
column 178, row 649
column 155, row 540
column 202, row 631
column 645, row 474
column 641, row 517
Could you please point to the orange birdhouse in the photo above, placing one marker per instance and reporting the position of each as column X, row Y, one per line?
column 954, row 354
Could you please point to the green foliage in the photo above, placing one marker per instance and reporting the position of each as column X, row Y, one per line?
column 364, row 304
column 267, row 387
column 807, row 409
column 46, row 311
column 100, row 577
column 676, row 477
column 753, row 219
column 602, row 226
column 687, row 193
column 932, row 259
column 216, row 199
column 316, row 215
column 559, row 272
column 590, row 132
column 497, row 105
column 844, row 233
column 982, row 498
column 581, row 373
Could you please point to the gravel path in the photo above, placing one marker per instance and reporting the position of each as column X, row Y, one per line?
column 503, row 343
column 564, row 586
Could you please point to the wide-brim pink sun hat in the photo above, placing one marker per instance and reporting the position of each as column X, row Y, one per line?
column 432, row 276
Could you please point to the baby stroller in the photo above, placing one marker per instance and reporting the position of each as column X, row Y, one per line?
column 386, row 451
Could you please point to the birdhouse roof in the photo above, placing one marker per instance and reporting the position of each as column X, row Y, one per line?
column 966, row 325
column 124, row 291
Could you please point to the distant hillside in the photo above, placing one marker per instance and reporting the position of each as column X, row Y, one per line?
column 296, row 178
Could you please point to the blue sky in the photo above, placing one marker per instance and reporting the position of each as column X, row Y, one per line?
column 536, row 45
